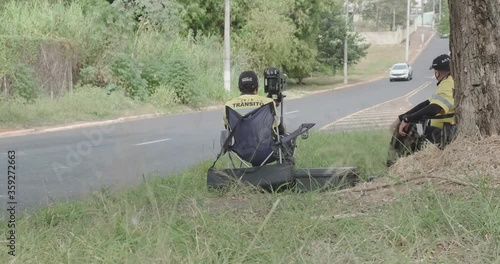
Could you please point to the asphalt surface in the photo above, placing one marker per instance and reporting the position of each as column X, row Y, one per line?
column 70, row 164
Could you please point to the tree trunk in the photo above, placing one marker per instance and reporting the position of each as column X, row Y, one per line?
column 475, row 65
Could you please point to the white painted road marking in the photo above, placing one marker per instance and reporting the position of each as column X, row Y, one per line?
column 291, row 112
column 379, row 115
column 151, row 142
column 60, row 167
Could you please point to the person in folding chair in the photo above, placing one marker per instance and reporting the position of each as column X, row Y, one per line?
column 256, row 126
column 430, row 121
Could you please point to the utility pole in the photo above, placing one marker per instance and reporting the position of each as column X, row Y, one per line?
column 433, row 14
column 345, row 40
column 422, row 11
column 407, row 30
column 227, row 49
column 440, row 15
column 394, row 19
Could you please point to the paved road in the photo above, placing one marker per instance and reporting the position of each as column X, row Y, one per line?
column 69, row 164
column 379, row 116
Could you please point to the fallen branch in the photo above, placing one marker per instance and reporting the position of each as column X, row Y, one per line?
column 382, row 186
column 338, row 216
column 347, row 216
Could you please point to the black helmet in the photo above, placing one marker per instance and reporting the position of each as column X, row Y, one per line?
column 441, row 63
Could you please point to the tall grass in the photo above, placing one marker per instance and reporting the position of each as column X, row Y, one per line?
column 41, row 18
column 177, row 220
column 157, row 69
column 204, row 55
column 365, row 150
column 57, row 21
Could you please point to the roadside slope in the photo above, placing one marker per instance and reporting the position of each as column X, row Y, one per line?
column 416, row 48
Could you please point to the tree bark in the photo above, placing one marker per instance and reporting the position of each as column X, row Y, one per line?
column 475, row 65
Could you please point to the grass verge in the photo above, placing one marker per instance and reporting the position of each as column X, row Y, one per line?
column 86, row 104
column 177, row 220
column 376, row 63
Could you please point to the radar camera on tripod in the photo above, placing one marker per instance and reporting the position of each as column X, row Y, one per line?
column 274, row 83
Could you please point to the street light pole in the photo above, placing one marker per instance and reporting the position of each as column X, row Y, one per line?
column 440, row 10
column 345, row 40
column 422, row 11
column 434, row 14
column 407, row 30
column 227, row 49
column 394, row 19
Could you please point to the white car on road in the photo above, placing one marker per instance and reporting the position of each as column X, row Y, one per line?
column 401, row 71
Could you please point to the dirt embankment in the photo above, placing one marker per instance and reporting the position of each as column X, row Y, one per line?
column 463, row 164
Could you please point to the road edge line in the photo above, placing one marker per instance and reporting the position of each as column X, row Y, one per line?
column 410, row 94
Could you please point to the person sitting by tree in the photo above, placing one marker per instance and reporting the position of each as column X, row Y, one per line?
column 440, row 107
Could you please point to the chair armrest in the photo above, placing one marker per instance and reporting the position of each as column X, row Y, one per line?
column 439, row 117
column 299, row 131
column 422, row 124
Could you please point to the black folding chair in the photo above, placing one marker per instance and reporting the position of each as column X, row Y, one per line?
column 254, row 139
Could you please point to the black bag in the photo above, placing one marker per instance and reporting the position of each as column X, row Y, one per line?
column 270, row 177
column 443, row 137
column 402, row 146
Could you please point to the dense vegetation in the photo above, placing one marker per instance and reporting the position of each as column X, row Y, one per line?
column 444, row 21
column 167, row 52
column 385, row 14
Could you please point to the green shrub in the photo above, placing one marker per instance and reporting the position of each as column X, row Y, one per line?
column 24, row 83
column 155, row 74
column 127, row 74
column 92, row 75
column 163, row 98
column 181, row 77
